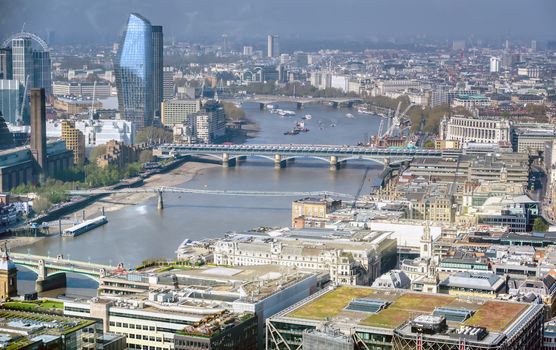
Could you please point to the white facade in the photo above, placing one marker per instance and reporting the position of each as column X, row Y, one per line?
column 494, row 64
column 97, row 132
column 101, row 90
column 467, row 129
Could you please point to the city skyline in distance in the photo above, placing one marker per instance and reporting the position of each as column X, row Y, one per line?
column 101, row 21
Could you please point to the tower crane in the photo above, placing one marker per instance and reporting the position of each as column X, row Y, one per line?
column 92, row 111
column 24, row 99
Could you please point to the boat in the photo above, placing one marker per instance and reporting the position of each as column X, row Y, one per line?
column 270, row 107
column 85, row 226
column 363, row 111
column 332, row 125
column 300, row 127
column 286, row 113
column 349, row 115
column 307, row 117
column 292, row 132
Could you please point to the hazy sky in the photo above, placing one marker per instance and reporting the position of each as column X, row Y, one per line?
column 103, row 20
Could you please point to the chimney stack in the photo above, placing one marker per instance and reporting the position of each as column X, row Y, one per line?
column 38, row 130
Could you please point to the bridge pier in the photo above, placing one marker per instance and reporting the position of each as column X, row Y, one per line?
column 261, row 106
column 225, row 160
column 51, row 282
column 334, row 163
column 278, row 162
column 299, row 105
column 335, row 104
column 160, row 204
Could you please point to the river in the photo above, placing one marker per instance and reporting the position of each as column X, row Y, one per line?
column 141, row 231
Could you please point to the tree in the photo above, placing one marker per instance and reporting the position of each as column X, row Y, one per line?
column 428, row 144
column 152, row 134
column 232, row 112
column 145, row 156
column 539, row 225
column 97, row 152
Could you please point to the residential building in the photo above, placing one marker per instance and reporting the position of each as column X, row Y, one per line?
column 22, row 61
column 272, row 46
column 400, row 320
column 167, row 83
column 75, row 141
column 494, row 65
column 207, row 125
column 176, row 111
column 119, row 154
column 158, row 64
column 42, row 76
column 549, row 336
column 134, row 66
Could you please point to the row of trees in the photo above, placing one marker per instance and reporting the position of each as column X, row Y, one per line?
column 290, row 89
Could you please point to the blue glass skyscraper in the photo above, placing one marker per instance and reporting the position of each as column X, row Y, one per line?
column 134, row 72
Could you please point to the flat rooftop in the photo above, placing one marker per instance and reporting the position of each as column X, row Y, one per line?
column 495, row 316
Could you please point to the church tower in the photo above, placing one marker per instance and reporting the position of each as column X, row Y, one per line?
column 8, row 275
column 426, row 243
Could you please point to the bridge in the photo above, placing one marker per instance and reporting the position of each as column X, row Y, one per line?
column 51, row 271
column 228, row 155
column 161, row 190
column 265, row 100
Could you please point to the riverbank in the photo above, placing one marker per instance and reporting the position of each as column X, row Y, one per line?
column 117, row 201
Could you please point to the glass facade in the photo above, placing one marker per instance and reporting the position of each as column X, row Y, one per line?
column 41, row 71
column 10, row 99
column 22, row 60
column 134, row 72
column 158, row 40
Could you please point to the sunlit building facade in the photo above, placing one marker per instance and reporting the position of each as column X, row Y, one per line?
column 134, row 72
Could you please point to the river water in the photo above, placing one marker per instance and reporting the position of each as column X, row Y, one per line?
column 141, row 231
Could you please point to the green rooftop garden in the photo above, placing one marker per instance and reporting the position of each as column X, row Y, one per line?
column 34, row 305
column 331, row 303
column 405, row 307
column 495, row 316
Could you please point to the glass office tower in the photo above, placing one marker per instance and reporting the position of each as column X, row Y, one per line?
column 134, row 72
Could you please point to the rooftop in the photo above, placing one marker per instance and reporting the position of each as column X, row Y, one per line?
column 496, row 316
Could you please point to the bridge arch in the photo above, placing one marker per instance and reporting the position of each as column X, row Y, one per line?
column 239, row 156
column 363, row 158
column 55, row 273
column 307, row 157
column 212, row 155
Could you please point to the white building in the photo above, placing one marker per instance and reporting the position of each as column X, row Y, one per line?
column 469, row 129
column 494, row 64
column 97, row 132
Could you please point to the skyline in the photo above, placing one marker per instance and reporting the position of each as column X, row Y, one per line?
column 103, row 21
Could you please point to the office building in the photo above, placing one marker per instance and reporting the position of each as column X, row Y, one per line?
column 74, row 139
column 357, row 258
column 272, row 48
column 6, row 63
column 312, row 212
column 22, row 61
column 168, row 83
column 403, row 320
column 172, row 309
column 176, row 111
column 42, row 76
column 134, row 72
column 470, row 101
column 469, row 129
column 97, row 131
column 72, row 106
column 532, row 140
column 158, row 64
column 81, row 89
column 494, row 64
column 11, row 94
column 27, row 330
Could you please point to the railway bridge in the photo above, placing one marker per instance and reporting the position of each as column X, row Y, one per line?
column 280, row 154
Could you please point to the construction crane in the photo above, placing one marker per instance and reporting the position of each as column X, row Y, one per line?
column 92, row 111
column 24, row 99
column 396, row 119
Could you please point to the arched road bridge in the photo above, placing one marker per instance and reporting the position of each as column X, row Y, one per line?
column 332, row 154
column 245, row 193
column 265, row 100
column 51, row 271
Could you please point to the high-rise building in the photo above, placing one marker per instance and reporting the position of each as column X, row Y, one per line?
column 11, row 93
column 273, row 48
column 22, row 61
column 6, row 63
column 168, row 83
column 134, row 72
column 75, row 140
column 41, row 71
column 533, row 45
column 176, row 111
column 248, row 50
column 158, row 75
column 494, row 64
column 38, row 130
